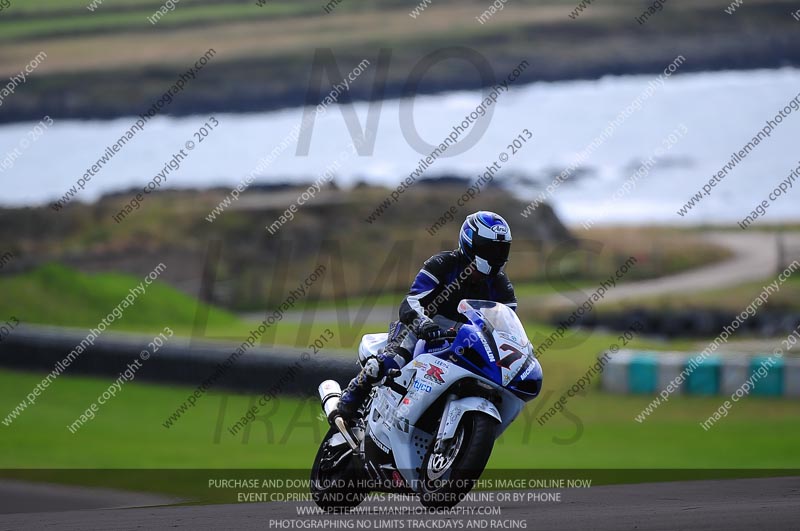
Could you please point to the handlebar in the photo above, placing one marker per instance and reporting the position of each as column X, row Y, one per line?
column 449, row 333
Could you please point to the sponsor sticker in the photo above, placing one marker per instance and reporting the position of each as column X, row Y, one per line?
column 379, row 444
column 434, row 374
column 421, row 386
column 500, row 229
column 528, row 370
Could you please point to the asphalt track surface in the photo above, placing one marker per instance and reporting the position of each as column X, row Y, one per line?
column 768, row 504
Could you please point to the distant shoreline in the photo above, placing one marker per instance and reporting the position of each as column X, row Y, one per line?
column 41, row 100
column 288, row 54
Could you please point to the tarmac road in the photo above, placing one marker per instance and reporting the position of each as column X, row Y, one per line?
column 767, row 504
column 754, row 257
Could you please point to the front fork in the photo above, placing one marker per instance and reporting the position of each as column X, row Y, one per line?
column 440, row 443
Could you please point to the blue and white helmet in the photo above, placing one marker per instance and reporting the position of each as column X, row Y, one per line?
column 485, row 238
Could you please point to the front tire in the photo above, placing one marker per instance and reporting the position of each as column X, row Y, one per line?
column 447, row 477
column 335, row 477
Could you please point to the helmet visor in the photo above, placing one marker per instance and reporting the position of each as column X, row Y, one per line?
column 493, row 251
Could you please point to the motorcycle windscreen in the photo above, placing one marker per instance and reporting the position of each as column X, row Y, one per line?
column 514, row 349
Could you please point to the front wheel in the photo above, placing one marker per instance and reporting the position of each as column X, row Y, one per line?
column 335, row 478
column 448, row 476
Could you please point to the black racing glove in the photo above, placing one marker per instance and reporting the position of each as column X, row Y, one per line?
column 429, row 330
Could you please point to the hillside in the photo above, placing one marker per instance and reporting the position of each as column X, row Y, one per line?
column 112, row 61
column 236, row 262
column 56, row 295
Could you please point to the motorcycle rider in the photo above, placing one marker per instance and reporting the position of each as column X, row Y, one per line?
column 473, row 271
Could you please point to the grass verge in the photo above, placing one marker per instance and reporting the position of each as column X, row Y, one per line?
column 595, row 431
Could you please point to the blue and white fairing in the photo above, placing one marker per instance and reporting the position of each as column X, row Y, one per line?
column 504, row 353
column 492, row 350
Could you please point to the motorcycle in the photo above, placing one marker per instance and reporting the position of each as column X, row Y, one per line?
column 429, row 428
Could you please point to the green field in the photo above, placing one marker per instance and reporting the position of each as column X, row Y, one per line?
column 599, row 433
column 46, row 18
column 671, row 437
column 60, row 296
column 50, row 18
